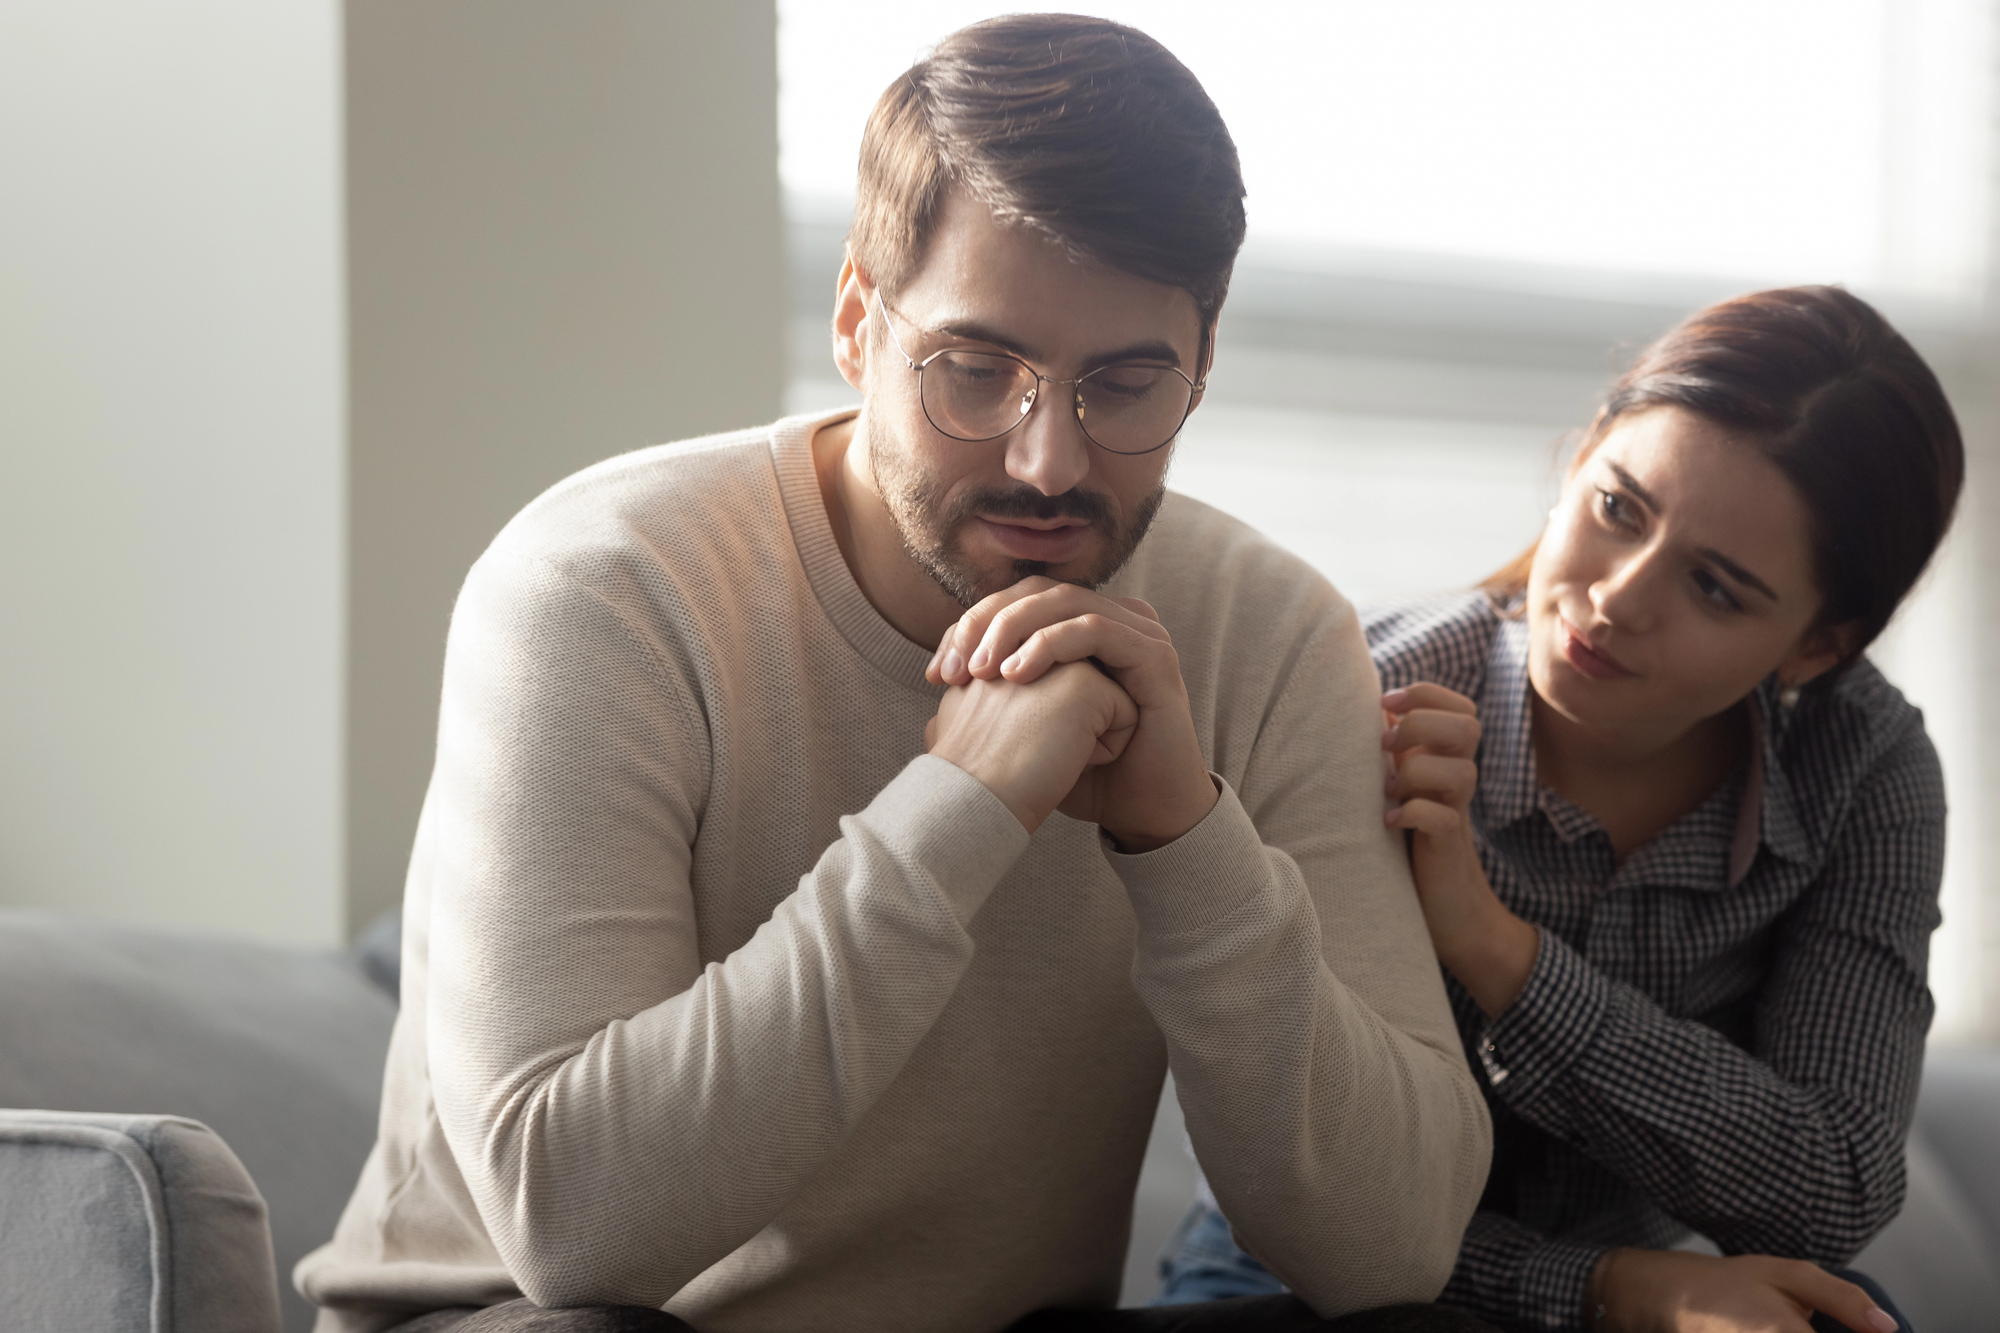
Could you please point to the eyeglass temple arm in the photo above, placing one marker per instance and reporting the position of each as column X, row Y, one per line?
column 883, row 304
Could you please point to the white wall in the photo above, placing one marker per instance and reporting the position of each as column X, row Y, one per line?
column 170, row 471
column 565, row 243
column 299, row 301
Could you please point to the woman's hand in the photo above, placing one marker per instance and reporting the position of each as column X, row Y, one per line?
column 1433, row 735
column 1669, row 1291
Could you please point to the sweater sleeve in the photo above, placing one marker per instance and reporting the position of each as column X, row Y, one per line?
column 1283, row 955
column 580, row 1049
column 1794, row 1147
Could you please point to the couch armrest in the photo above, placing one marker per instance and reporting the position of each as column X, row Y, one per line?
column 130, row 1224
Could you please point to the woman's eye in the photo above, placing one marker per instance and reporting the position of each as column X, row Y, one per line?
column 1616, row 510
column 1715, row 592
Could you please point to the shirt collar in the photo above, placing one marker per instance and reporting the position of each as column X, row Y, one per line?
column 1767, row 815
column 1507, row 787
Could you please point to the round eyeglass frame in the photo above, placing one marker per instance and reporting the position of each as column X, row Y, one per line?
column 1195, row 389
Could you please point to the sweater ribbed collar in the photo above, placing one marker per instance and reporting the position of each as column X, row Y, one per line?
column 879, row 642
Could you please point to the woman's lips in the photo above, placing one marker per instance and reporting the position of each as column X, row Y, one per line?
column 1028, row 539
column 1592, row 662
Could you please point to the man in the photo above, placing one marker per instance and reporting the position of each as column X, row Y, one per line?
column 840, row 828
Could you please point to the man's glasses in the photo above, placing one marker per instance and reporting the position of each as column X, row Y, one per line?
column 1127, row 408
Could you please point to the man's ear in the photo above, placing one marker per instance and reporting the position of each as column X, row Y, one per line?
column 1207, row 364
column 1818, row 651
column 851, row 296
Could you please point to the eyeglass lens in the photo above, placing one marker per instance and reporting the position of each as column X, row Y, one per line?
column 1128, row 409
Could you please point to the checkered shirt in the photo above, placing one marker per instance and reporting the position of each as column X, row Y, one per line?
column 1724, row 1033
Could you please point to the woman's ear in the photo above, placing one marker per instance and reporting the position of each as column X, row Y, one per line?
column 1818, row 651
column 851, row 294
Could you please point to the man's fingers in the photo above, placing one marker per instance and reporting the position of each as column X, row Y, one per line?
column 1816, row 1289
column 947, row 665
column 1013, row 625
column 1437, row 731
column 1425, row 694
column 1139, row 606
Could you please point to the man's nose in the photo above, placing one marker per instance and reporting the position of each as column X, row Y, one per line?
column 1049, row 450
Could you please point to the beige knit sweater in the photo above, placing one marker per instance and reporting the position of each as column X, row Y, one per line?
column 719, row 994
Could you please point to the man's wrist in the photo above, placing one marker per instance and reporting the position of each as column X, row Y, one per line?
column 1188, row 813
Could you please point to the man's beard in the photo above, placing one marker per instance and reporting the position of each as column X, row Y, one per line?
column 929, row 527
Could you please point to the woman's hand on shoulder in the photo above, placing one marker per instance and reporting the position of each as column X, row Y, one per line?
column 1433, row 734
column 1671, row 1291
column 1433, row 739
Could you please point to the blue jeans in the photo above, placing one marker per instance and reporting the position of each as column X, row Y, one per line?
column 1203, row 1262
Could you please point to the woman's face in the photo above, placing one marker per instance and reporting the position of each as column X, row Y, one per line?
column 1675, row 574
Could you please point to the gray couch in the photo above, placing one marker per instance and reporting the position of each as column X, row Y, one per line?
column 192, row 1113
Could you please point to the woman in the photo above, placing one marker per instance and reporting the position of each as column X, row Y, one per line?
column 1678, row 843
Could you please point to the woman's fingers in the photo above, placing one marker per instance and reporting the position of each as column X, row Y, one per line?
column 1426, row 694
column 1816, row 1289
column 1419, row 815
column 1436, row 731
column 1434, row 777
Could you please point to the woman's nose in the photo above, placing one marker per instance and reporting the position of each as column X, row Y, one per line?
column 1622, row 594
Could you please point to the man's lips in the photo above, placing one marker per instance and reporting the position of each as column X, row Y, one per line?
column 1048, row 539
column 1592, row 662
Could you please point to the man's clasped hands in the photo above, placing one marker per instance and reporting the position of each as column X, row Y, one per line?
column 1062, row 698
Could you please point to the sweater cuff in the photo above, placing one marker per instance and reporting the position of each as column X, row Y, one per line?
column 943, row 822
column 1527, row 1050
column 1201, row 876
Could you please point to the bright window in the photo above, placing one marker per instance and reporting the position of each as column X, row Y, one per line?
column 1773, row 140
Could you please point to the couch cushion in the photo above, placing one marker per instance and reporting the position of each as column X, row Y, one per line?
column 1936, row 1260
column 129, row 1224
column 279, row 1050
column 1958, row 1113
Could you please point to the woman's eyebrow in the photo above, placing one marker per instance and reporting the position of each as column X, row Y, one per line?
column 1708, row 553
column 1631, row 483
column 1736, row 571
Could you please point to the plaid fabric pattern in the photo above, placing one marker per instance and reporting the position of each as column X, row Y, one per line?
column 1724, row 1033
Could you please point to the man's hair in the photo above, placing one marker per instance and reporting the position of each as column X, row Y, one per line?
column 1085, row 130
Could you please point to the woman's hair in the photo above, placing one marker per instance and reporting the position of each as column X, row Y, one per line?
column 1817, row 382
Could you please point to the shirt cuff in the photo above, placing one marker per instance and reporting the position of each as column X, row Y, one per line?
column 1527, row 1050
column 1555, row 1285
column 1200, row 877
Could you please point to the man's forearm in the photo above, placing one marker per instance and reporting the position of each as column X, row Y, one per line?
column 1346, row 1151
column 583, row 1153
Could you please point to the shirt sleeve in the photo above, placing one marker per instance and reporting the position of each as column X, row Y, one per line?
column 1517, row 1278
column 1282, row 953
column 580, row 1050
column 1795, row 1146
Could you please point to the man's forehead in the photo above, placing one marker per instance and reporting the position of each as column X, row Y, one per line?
column 987, row 280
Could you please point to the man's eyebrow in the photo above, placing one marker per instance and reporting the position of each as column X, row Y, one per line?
column 965, row 330
column 1736, row 571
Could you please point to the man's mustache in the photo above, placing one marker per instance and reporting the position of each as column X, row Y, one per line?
column 1027, row 502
